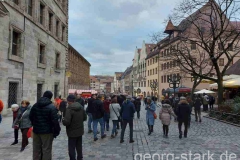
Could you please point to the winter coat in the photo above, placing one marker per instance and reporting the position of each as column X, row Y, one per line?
column 183, row 111
column 205, row 100
column 114, row 107
column 73, row 120
column 24, row 121
column 1, row 106
column 165, row 114
column 149, row 115
column 44, row 117
column 81, row 101
column 138, row 105
column 98, row 111
column 90, row 105
column 63, row 107
column 197, row 104
column 127, row 110
column 106, row 104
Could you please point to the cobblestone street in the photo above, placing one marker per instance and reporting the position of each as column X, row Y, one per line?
column 210, row 135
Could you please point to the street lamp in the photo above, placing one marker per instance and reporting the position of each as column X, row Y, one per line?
column 174, row 82
column 154, row 87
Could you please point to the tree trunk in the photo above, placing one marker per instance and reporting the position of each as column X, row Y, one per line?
column 220, row 91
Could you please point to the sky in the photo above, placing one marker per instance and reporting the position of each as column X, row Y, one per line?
column 107, row 32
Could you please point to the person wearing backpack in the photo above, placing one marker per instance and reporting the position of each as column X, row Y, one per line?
column 165, row 116
column 73, row 120
column 46, row 127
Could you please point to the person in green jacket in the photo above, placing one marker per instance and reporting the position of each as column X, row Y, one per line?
column 74, row 117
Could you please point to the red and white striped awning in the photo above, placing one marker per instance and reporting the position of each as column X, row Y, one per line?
column 71, row 91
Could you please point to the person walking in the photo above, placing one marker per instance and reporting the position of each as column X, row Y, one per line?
column 183, row 113
column 114, row 109
column 89, row 111
column 205, row 102
column 62, row 108
column 211, row 102
column 138, row 106
column 1, row 108
column 73, row 120
column 165, row 116
column 15, row 108
column 106, row 116
column 23, row 122
column 190, row 103
column 45, row 123
column 151, row 108
column 197, row 108
column 80, row 100
column 97, row 115
column 127, row 111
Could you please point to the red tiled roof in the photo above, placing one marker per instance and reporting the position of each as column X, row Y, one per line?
column 170, row 27
column 149, row 47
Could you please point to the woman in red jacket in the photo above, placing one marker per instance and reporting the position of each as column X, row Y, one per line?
column 106, row 116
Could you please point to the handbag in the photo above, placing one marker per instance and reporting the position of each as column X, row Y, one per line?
column 154, row 115
column 119, row 118
column 29, row 133
column 16, row 124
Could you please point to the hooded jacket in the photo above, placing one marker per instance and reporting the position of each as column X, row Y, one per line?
column 183, row 111
column 73, row 120
column 165, row 114
column 44, row 117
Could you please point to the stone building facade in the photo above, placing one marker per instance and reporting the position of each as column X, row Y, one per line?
column 33, row 49
column 79, row 68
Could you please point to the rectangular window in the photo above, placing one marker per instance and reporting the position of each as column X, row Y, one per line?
column 12, row 93
column 15, row 1
column 148, row 72
column 15, row 43
column 57, row 28
column 57, row 63
column 41, row 54
column 162, row 79
column 144, row 83
column 194, row 60
column 148, row 83
column 153, row 61
column 230, row 47
column 193, row 46
column 50, row 21
column 156, row 59
column 220, row 47
column 41, row 18
column 29, row 7
column 221, row 61
column 63, row 33
column 55, row 91
column 39, row 91
column 148, row 62
column 165, row 79
column 156, row 71
column 161, row 66
column 139, row 84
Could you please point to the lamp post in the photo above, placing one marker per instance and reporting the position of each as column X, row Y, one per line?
column 154, row 87
column 174, row 83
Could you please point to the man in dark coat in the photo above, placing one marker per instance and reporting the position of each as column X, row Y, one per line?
column 211, row 101
column 138, row 106
column 97, row 115
column 127, row 112
column 80, row 100
column 183, row 113
column 73, row 120
column 89, row 111
column 62, row 108
column 45, row 124
column 197, row 108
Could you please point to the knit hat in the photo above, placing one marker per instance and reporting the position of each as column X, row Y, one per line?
column 13, row 106
column 182, row 98
column 48, row 94
column 71, row 98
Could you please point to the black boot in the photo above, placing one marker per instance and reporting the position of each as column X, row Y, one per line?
column 180, row 135
column 149, row 130
column 15, row 142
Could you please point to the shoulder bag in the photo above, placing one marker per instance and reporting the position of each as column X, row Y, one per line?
column 16, row 125
column 119, row 118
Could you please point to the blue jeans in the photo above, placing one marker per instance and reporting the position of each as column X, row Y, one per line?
column 106, row 121
column 0, row 118
column 95, row 124
column 114, row 130
column 90, row 120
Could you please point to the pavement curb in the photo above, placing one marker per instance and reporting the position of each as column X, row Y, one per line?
column 222, row 121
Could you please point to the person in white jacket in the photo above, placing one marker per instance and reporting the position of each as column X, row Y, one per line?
column 114, row 108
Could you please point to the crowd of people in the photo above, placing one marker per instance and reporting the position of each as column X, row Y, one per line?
column 45, row 116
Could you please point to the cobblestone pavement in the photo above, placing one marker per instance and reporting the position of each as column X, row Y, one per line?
column 210, row 135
